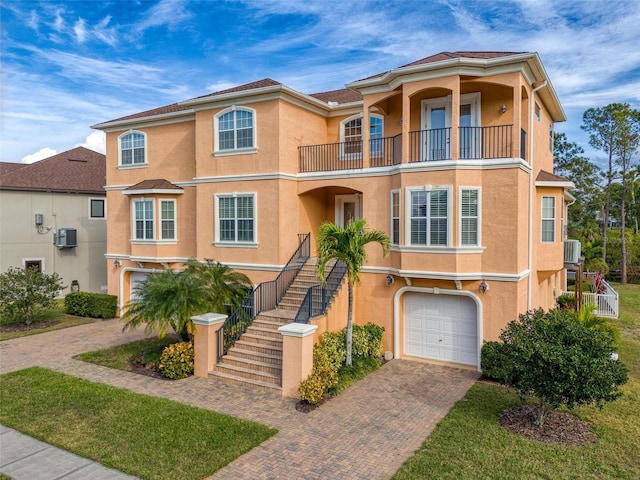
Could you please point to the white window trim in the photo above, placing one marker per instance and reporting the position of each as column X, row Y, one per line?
column 133, row 165
column 104, row 203
column 391, row 194
column 543, row 219
column 217, row 152
column 133, row 220
column 479, row 226
column 34, row 259
column 216, row 220
column 407, row 215
column 175, row 220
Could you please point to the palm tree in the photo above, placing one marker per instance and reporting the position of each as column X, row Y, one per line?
column 167, row 300
column 347, row 245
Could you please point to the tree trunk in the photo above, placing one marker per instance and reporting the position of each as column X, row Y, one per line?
column 623, row 241
column 349, row 327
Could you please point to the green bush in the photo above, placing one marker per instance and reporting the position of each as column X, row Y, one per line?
column 24, row 293
column 566, row 301
column 329, row 357
column 94, row 305
column 176, row 360
column 556, row 359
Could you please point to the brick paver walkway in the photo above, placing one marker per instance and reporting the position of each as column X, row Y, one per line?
column 367, row 432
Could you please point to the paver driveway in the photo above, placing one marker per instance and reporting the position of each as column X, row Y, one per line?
column 366, row 432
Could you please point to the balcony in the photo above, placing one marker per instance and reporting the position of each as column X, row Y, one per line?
column 476, row 143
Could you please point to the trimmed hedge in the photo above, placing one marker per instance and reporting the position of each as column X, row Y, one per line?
column 94, row 305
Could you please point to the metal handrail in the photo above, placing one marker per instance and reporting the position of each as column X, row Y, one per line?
column 319, row 297
column 264, row 297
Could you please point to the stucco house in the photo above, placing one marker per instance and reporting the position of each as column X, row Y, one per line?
column 53, row 217
column 451, row 155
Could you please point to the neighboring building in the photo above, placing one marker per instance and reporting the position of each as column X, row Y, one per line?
column 53, row 216
column 450, row 155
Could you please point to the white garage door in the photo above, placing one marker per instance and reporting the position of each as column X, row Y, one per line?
column 136, row 278
column 441, row 327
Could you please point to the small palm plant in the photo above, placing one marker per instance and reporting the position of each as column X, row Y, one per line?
column 167, row 300
column 347, row 244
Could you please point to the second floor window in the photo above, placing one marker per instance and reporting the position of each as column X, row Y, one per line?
column 469, row 217
column 143, row 222
column 132, row 149
column 395, row 217
column 235, row 130
column 548, row 219
column 351, row 136
column 429, row 218
column 236, row 218
column 168, row 219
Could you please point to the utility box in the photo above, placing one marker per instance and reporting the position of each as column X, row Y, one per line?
column 67, row 238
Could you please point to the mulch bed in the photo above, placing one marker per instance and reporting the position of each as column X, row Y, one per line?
column 23, row 327
column 559, row 428
column 138, row 365
column 306, row 407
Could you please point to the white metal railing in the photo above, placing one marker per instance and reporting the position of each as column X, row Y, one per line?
column 604, row 304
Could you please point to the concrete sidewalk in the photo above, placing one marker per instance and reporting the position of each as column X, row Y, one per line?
column 365, row 433
column 25, row 458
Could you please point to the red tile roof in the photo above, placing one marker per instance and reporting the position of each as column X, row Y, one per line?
column 154, row 184
column 545, row 176
column 265, row 82
column 78, row 170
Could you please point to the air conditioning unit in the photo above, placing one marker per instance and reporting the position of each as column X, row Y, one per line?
column 67, row 238
column 572, row 251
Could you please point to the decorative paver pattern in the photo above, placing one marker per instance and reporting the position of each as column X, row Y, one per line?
column 366, row 432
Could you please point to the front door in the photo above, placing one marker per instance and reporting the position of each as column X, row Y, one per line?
column 348, row 207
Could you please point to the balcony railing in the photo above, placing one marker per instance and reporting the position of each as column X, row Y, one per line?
column 475, row 143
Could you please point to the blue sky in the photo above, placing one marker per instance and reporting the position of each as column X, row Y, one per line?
column 67, row 65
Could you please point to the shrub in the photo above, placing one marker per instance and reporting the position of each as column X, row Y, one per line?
column 23, row 293
column 566, row 301
column 588, row 319
column 94, row 305
column 556, row 359
column 597, row 265
column 176, row 360
column 329, row 357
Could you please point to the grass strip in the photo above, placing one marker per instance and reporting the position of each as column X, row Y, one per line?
column 118, row 357
column 148, row 437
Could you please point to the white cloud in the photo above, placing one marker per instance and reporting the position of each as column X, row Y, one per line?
column 80, row 29
column 45, row 152
column 95, row 141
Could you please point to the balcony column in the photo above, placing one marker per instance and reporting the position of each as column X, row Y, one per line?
column 455, row 120
column 517, row 121
column 406, row 126
column 366, row 135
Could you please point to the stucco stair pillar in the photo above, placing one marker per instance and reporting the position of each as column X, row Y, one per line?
column 205, row 342
column 297, row 356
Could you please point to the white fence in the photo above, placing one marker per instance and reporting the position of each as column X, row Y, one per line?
column 604, row 304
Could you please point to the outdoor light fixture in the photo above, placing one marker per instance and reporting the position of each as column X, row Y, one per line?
column 503, row 109
column 483, row 287
column 117, row 263
column 390, row 281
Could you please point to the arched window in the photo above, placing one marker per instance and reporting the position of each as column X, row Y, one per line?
column 234, row 130
column 132, row 148
column 351, row 135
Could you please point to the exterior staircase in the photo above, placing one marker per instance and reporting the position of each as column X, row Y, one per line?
column 255, row 360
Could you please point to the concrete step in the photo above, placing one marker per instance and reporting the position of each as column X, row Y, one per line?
column 249, row 373
column 262, row 340
column 239, row 352
column 246, row 382
column 270, row 323
column 258, row 347
column 263, row 331
column 256, row 365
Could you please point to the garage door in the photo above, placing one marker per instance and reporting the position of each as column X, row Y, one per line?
column 136, row 278
column 441, row 327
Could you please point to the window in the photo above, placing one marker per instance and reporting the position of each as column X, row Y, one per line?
column 395, row 217
column 167, row 219
column 234, row 131
column 132, row 149
column 537, row 111
column 236, row 218
column 429, row 222
column 351, row 136
column 97, row 209
column 551, row 138
column 143, row 219
column 469, row 217
column 33, row 263
column 548, row 219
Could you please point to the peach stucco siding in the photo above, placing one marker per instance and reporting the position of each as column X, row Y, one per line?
column 289, row 202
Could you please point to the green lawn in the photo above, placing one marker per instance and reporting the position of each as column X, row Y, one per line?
column 40, row 324
column 118, row 356
column 469, row 444
column 151, row 438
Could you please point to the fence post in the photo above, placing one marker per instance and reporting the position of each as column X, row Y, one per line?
column 205, row 344
column 297, row 356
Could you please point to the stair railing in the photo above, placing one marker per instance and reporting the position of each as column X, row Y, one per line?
column 318, row 297
column 264, row 297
